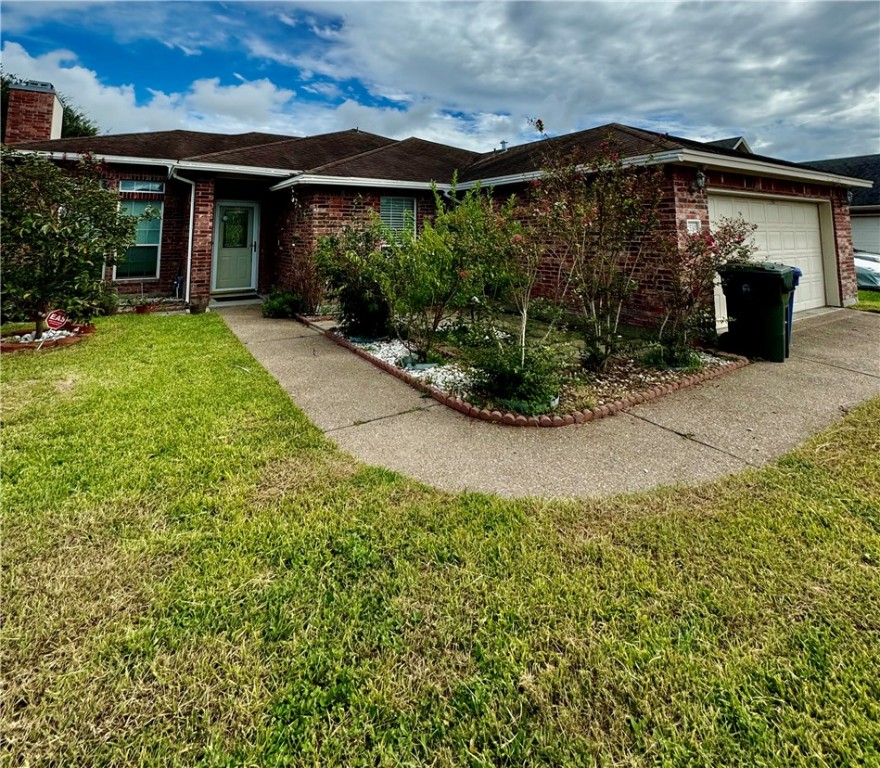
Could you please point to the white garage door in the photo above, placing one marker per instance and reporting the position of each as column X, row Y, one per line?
column 866, row 233
column 788, row 232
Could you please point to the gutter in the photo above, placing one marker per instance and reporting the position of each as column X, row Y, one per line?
column 705, row 160
column 192, row 215
column 246, row 170
column 356, row 181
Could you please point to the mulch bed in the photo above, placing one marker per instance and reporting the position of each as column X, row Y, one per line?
column 615, row 392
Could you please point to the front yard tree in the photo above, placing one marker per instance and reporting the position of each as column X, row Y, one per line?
column 596, row 219
column 59, row 227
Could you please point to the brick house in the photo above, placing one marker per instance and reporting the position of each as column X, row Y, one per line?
column 242, row 213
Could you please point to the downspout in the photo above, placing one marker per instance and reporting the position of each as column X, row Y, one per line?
column 192, row 217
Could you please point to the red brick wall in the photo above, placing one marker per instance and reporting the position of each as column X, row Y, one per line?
column 175, row 227
column 681, row 201
column 29, row 116
column 297, row 220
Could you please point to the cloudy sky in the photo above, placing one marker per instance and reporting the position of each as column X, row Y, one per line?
column 799, row 80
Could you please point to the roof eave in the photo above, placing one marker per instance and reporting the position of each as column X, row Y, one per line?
column 163, row 161
column 745, row 164
column 357, row 181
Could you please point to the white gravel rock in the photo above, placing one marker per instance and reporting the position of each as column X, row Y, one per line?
column 452, row 379
column 49, row 335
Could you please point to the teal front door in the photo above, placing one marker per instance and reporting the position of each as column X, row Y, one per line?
column 236, row 234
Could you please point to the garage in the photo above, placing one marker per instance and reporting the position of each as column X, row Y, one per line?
column 788, row 232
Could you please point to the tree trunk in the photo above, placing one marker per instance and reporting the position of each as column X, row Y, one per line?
column 37, row 320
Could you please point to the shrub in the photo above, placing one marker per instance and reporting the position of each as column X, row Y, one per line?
column 348, row 262
column 501, row 377
column 462, row 261
column 283, row 304
column 690, row 264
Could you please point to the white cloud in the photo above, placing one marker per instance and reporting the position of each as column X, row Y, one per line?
column 799, row 80
column 206, row 105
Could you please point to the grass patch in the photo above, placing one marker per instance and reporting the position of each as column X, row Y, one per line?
column 869, row 301
column 194, row 575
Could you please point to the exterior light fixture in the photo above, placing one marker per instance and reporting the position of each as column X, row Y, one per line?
column 700, row 181
column 849, row 197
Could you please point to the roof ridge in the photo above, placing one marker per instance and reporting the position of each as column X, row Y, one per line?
column 292, row 139
column 349, row 158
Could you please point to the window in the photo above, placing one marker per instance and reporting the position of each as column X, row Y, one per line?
column 142, row 259
column 398, row 213
column 130, row 185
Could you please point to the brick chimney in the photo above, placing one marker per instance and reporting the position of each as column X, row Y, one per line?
column 33, row 114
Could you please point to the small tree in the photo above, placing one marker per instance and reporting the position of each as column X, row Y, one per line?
column 461, row 260
column 690, row 264
column 596, row 218
column 60, row 227
column 348, row 262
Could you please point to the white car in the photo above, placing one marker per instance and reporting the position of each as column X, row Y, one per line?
column 867, row 270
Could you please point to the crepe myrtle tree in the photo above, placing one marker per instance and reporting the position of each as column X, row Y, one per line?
column 596, row 218
column 689, row 265
column 60, row 227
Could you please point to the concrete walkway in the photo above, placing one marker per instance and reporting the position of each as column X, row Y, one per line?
column 723, row 426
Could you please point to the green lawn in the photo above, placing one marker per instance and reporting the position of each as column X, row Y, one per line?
column 869, row 301
column 193, row 575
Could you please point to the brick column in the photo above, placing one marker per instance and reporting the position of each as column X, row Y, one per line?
column 846, row 270
column 203, row 239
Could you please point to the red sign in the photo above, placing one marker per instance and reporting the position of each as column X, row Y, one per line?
column 56, row 319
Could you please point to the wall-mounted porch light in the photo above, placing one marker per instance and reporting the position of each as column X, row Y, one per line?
column 699, row 181
column 849, row 197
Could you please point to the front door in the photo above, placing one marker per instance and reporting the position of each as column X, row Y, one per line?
column 236, row 234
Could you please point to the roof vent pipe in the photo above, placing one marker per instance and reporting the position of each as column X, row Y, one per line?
column 503, row 145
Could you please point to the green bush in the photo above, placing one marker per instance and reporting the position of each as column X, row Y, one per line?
column 501, row 377
column 348, row 262
column 283, row 304
column 672, row 356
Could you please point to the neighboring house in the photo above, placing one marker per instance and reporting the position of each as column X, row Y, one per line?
column 737, row 143
column 241, row 214
column 865, row 206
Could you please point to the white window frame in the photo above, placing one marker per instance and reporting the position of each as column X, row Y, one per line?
column 413, row 202
column 135, row 190
column 161, row 205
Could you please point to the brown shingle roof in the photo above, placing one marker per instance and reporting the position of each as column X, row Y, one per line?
column 629, row 142
column 300, row 154
column 171, row 145
column 408, row 160
column 527, row 158
column 859, row 167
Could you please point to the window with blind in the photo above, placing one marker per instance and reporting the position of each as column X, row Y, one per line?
column 398, row 213
column 141, row 261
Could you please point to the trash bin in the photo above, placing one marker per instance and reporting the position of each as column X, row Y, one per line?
column 758, row 297
column 795, row 281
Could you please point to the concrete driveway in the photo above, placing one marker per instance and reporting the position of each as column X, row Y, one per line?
column 720, row 427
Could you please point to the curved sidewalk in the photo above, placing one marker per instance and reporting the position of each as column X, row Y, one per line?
column 743, row 419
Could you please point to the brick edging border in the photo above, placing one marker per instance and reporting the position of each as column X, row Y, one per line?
column 82, row 332
column 517, row 419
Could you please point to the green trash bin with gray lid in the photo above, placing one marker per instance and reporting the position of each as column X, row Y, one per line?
column 757, row 308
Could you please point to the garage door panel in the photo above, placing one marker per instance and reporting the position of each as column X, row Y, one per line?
column 787, row 232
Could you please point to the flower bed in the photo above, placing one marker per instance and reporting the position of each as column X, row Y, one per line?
column 70, row 334
column 624, row 385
